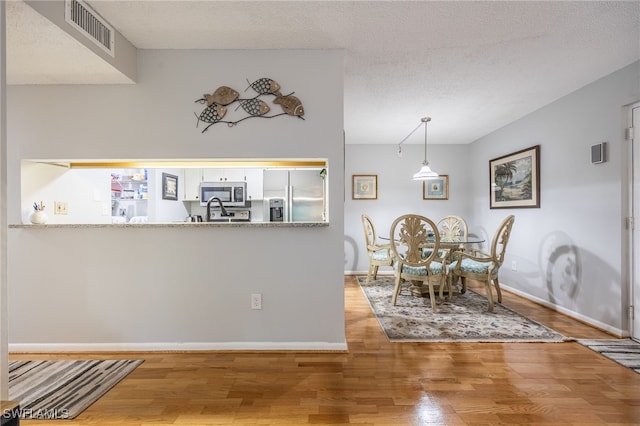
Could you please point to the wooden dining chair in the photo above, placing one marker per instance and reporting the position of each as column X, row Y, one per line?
column 379, row 254
column 478, row 265
column 410, row 234
column 450, row 228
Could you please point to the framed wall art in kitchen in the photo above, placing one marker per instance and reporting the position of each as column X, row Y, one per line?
column 436, row 188
column 364, row 187
column 169, row 187
column 515, row 179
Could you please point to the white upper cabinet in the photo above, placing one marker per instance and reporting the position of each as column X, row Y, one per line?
column 223, row 175
column 192, row 179
column 254, row 183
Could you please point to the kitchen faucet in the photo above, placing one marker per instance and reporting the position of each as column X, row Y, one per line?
column 223, row 211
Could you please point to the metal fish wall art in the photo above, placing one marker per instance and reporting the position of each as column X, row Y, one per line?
column 223, row 95
column 265, row 86
column 211, row 114
column 256, row 107
column 290, row 104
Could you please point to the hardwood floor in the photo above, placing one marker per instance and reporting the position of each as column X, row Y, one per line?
column 377, row 382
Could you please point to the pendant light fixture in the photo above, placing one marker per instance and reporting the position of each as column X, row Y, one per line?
column 425, row 171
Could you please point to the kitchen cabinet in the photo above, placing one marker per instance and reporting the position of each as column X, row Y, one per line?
column 223, row 175
column 254, row 183
column 192, row 179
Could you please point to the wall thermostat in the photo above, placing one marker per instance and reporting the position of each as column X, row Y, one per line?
column 598, row 153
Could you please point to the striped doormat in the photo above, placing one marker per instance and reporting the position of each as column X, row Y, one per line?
column 622, row 351
column 63, row 389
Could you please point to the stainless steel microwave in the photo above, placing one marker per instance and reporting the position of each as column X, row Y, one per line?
column 232, row 194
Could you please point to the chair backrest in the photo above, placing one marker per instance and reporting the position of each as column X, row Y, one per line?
column 410, row 234
column 452, row 226
column 370, row 236
column 501, row 238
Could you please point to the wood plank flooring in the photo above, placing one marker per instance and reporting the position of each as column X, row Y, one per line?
column 376, row 382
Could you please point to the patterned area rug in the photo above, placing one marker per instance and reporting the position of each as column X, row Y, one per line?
column 622, row 351
column 63, row 389
column 464, row 318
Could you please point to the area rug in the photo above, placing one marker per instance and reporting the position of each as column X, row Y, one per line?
column 464, row 318
column 622, row 351
column 63, row 389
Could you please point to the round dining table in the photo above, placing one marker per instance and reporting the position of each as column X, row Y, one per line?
column 458, row 243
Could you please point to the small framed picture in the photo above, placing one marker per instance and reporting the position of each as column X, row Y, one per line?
column 169, row 187
column 436, row 188
column 365, row 187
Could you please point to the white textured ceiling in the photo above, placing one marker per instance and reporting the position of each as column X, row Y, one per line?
column 38, row 52
column 471, row 66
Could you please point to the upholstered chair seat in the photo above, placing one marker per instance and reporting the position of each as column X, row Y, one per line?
column 434, row 267
column 381, row 255
column 473, row 266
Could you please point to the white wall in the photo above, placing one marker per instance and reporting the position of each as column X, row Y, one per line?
column 176, row 287
column 572, row 251
column 86, row 192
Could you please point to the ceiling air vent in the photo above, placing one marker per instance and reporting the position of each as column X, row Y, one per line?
column 80, row 15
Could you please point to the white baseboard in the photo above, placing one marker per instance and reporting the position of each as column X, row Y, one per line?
column 170, row 346
column 576, row 315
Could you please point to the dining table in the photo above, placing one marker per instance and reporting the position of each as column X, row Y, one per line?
column 453, row 244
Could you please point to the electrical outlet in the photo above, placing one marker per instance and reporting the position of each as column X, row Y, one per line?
column 514, row 265
column 256, row 301
column 60, row 207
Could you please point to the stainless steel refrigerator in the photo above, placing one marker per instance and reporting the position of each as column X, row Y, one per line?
column 294, row 195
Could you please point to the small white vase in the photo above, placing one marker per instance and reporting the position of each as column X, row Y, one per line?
column 38, row 217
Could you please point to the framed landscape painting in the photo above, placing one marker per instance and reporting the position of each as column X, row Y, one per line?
column 436, row 188
column 514, row 180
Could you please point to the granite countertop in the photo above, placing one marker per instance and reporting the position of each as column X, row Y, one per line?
column 176, row 225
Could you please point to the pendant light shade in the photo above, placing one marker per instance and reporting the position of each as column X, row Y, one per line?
column 425, row 171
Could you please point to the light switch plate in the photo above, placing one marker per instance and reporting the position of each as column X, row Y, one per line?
column 60, row 207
